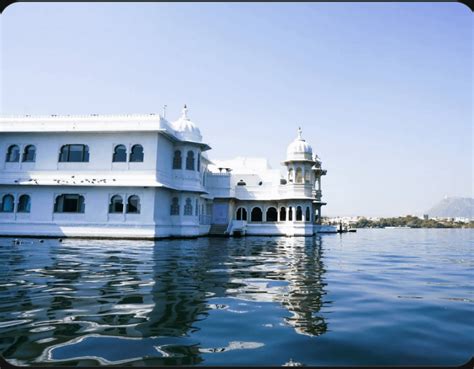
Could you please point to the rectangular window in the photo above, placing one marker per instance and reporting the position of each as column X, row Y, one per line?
column 69, row 204
column 74, row 153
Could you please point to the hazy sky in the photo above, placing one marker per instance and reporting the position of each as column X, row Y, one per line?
column 381, row 90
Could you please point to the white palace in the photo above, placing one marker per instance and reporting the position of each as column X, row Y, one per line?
column 140, row 176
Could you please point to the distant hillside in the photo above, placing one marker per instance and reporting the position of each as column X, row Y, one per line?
column 453, row 207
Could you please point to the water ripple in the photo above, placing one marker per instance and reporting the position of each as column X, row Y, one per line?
column 377, row 297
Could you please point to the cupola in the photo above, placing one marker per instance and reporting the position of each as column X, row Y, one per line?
column 185, row 129
column 299, row 149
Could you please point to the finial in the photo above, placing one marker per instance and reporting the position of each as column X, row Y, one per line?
column 185, row 112
column 299, row 133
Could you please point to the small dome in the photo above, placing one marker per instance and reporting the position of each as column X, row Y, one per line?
column 299, row 149
column 185, row 129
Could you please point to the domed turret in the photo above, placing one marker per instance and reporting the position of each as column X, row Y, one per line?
column 185, row 129
column 299, row 149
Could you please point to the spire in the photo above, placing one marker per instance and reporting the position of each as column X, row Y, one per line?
column 185, row 112
column 299, row 133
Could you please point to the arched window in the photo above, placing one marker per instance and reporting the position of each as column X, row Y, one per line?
column 290, row 175
column 120, row 154
column 74, row 153
column 196, row 211
column 29, row 153
column 174, row 210
column 198, row 165
column 133, row 204
column 241, row 214
column 299, row 175
column 188, row 207
column 136, row 154
column 282, row 214
column 13, row 154
column 116, row 204
column 24, row 204
column 69, row 203
column 177, row 161
column 190, row 160
column 299, row 213
column 7, row 205
column 290, row 213
column 307, row 176
column 256, row 215
column 308, row 214
column 202, row 209
column 272, row 214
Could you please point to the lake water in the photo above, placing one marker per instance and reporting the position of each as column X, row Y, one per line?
column 375, row 297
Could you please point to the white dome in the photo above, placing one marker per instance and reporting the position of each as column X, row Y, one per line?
column 299, row 149
column 185, row 129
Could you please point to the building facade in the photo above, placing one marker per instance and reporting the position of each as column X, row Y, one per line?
column 140, row 176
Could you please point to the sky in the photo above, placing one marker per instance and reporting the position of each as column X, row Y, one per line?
column 382, row 91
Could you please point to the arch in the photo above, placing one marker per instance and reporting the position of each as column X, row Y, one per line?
column 299, row 175
column 198, row 165
column 256, row 214
column 136, row 154
column 24, row 204
column 190, row 160
column 13, row 154
column 177, row 160
column 120, row 154
column 174, row 209
column 196, row 208
column 29, row 154
column 69, row 203
column 290, row 213
column 188, row 207
column 272, row 214
column 116, row 204
column 241, row 214
column 74, row 153
column 133, row 204
column 307, row 176
column 299, row 213
column 282, row 214
column 308, row 214
column 8, row 204
column 290, row 175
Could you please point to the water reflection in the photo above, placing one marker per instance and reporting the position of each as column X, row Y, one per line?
column 85, row 302
column 305, row 297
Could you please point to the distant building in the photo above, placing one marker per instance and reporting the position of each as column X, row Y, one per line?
column 140, row 176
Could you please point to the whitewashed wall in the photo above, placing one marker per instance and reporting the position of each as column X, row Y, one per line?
column 101, row 147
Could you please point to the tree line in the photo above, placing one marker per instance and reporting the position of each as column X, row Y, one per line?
column 410, row 221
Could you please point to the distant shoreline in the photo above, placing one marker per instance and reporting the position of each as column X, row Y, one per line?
column 408, row 221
